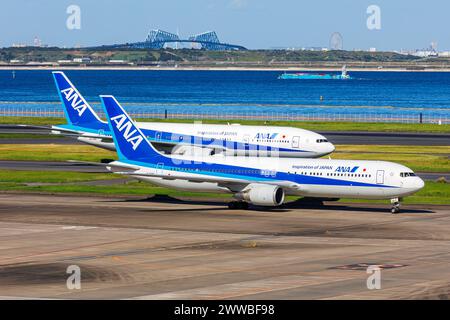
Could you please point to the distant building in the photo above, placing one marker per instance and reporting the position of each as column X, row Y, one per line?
column 425, row 53
column 431, row 51
column 38, row 63
column 82, row 60
column 117, row 61
column 315, row 49
column 372, row 49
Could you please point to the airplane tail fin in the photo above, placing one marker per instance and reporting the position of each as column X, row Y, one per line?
column 77, row 111
column 131, row 143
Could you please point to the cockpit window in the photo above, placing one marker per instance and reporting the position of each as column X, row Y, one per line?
column 407, row 174
column 321, row 140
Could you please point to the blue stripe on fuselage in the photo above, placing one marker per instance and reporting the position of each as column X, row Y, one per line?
column 243, row 173
column 169, row 137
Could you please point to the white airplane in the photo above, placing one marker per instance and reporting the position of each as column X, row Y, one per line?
column 180, row 138
column 260, row 181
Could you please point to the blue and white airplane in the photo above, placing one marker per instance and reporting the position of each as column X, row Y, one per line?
column 180, row 138
column 260, row 181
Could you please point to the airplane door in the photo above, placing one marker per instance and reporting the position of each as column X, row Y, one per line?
column 159, row 168
column 246, row 140
column 380, row 176
column 296, row 142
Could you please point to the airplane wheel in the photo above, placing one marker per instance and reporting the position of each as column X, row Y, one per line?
column 395, row 210
column 395, row 205
column 234, row 205
column 244, row 205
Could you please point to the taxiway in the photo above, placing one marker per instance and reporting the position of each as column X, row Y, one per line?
column 137, row 248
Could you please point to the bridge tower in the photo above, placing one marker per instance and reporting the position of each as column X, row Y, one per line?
column 209, row 41
column 156, row 39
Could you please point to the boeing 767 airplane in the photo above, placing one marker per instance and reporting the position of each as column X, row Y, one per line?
column 259, row 181
column 179, row 138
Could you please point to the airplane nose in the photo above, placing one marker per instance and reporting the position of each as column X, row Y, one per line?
column 328, row 148
column 324, row 148
column 331, row 147
column 419, row 183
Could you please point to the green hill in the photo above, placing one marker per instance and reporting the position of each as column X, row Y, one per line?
column 143, row 56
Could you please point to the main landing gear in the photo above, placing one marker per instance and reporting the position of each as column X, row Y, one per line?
column 395, row 205
column 234, row 205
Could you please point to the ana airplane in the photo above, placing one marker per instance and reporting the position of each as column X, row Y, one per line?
column 180, row 138
column 256, row 180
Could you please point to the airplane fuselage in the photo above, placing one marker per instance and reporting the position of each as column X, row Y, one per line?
column 238, row 140
column 305, row 177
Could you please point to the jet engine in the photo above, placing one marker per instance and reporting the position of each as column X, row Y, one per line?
column 262, row 195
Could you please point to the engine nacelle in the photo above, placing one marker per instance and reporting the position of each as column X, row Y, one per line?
column 262, row 195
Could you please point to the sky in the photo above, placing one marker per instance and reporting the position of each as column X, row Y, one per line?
column 255, row 24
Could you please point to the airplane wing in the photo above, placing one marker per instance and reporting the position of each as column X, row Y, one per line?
column 76, row 133
column 27, row 129
column 111, row 164
column 167, row 146
column 29, row 126
column 234, row 184
column 62, row 131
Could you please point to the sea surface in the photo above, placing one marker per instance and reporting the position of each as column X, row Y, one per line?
column 237, row 91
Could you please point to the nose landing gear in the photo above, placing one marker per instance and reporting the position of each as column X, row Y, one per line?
column 395, row 205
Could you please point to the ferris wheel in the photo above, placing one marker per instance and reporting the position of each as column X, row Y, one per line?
column 336, row 41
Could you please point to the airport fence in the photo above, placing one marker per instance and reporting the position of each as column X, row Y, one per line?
column 249, row 115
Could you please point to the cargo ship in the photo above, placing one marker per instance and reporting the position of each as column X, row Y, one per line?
column 316, row 76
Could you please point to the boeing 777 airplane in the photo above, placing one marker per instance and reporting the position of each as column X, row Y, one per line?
column 260, row 181
column 179, row 138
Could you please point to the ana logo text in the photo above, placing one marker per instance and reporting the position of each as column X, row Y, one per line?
column 346, row 169
column 125, row 125
column 75, row 101
column 267, row 136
